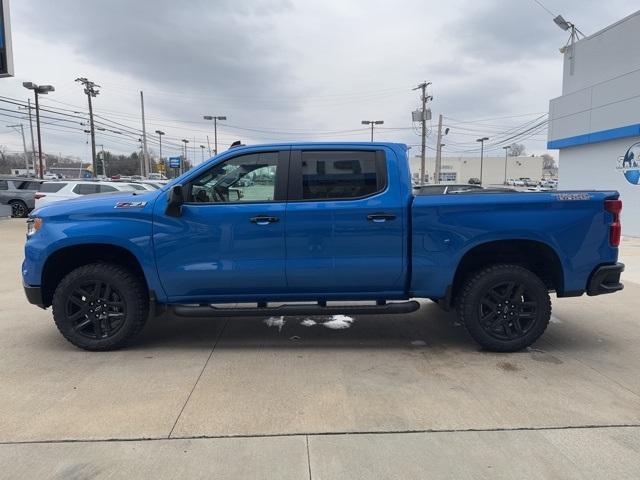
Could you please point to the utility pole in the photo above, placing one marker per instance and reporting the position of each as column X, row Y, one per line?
column 215, row 129
column 24, row 145
column 481, row 140
column 438, row 166
column 372, row 123
column 208, row 145
column 506, row 156
column 39, row 90
column 423, row 120
column 202, row 147
column 145, row 155
column 90, row 89
column 33, row 144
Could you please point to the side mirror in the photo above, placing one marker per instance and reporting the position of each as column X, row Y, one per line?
column 175, row 201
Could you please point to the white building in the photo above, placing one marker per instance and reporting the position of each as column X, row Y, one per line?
column 494, row 169
column 596, row 122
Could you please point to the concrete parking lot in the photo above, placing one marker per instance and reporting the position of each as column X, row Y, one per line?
column 402, row 397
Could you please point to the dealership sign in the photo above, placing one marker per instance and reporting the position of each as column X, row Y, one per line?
column 174, row 162
column 629, row 165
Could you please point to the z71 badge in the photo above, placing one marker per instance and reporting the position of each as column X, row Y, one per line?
column 130, row 204
column 573, row 196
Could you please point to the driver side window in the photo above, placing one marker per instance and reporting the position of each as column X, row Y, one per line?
column 248, row 178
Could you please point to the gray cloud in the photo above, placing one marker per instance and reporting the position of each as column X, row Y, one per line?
column 292, row 66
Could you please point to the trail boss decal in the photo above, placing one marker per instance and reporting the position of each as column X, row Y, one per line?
column 130, row 204
column 573, row 196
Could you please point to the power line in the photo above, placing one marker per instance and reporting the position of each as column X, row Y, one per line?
column 545, row 8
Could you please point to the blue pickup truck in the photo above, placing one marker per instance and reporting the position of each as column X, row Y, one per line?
column 317, row 229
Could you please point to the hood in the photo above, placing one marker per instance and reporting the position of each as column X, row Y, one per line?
column 100, row 203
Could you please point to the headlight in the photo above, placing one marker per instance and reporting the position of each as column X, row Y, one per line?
column 33, row 225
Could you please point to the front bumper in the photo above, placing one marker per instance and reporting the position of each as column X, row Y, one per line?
column 34, row 295
column 605, row 279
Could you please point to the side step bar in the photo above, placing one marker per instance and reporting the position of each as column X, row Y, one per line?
column 321, row 308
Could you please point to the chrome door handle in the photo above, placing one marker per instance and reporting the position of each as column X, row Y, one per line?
column 264, row 220
column 380, row 217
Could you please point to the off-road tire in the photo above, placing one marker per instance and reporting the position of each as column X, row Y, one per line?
column 126, row 290
column 478, row 294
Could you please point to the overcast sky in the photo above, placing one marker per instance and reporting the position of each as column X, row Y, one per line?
column 283, row 70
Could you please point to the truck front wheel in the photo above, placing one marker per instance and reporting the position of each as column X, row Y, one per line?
column 504, row 307
column 100, row 306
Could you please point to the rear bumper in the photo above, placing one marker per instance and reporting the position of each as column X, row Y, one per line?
column 34, row 295
column 605, row 279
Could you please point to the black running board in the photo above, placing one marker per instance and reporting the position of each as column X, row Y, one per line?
column 381, row 308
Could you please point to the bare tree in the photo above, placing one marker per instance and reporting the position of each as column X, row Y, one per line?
column 516, row 149
column 548, row 162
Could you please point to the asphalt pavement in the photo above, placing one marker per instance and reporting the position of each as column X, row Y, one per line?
column 404, row 397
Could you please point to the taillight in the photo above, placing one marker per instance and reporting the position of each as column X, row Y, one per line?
column 39, row 195
column 614, row 207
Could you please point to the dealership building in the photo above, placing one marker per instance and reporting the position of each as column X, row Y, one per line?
column 595, row 124
column 495, row 170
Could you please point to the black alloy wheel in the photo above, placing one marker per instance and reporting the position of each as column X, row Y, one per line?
column 507, row 311
column 96, row 310
column 100, row 306
column 19, row 209
column 504, row 307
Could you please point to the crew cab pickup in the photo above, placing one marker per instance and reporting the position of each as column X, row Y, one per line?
column 317, row 229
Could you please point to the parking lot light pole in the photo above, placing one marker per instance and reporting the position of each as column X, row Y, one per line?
column 38, row 90
column 481, row 140
column 372, row 123
column 215, row 129
column 506, row 155
column 160, row 133
column 185, row 141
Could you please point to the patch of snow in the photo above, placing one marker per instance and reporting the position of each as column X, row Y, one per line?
column 275, row 322
column 554, row 319
column 338, row 322
column 418, row 343
column 307, row 322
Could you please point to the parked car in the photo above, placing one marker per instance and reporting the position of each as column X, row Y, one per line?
column 156, row 176
column 336, row 223
column 51, row 176
column 140, row 186
column 549, row 183
column 51, row 192
column 18, row 194
column 515, row 182
column 154, row 185
column 474, row 181
column 528, row 182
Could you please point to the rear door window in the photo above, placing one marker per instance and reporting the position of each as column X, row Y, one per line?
column 335, row 175
column 30, row 186
column 51, row 187
column 86, row 188
column 4, row 185
column 107, row 188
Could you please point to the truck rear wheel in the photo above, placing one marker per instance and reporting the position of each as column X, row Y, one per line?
column 100, row 306
column 505, row 308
